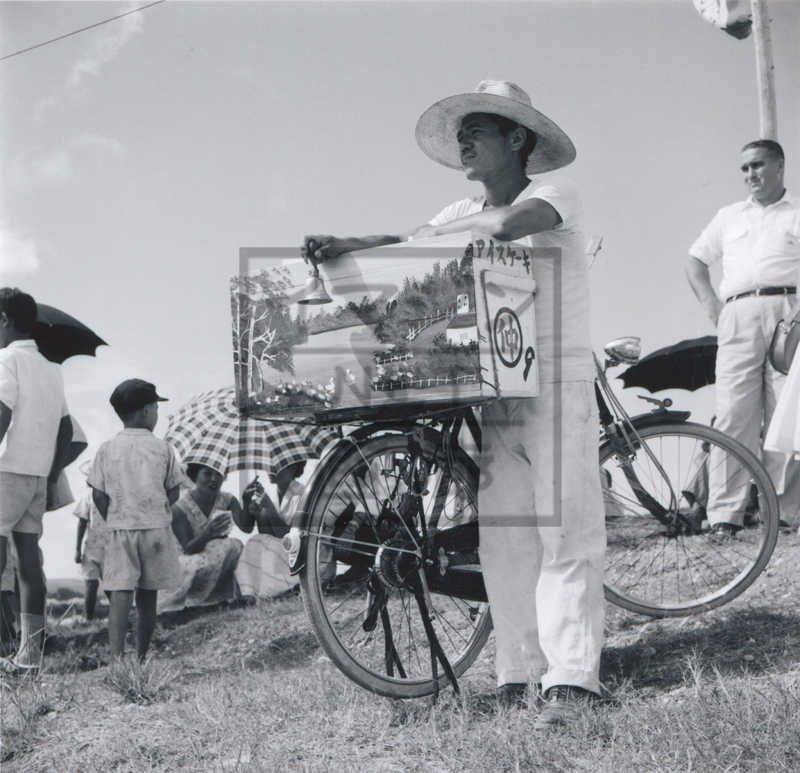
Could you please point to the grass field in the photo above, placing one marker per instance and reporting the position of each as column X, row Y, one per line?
column 248, row 689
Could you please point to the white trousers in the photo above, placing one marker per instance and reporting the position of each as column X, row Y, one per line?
column 542, row 536
column 747, row 389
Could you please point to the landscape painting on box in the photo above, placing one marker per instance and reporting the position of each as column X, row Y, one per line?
column 413, row 338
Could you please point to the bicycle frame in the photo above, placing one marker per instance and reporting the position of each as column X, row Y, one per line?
column 617, row 426
column 414, row 540
column 622, row 432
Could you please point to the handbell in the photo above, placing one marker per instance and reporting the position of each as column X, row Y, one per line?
column 314, row 292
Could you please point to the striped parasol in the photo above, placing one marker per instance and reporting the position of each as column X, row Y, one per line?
column 210, row 430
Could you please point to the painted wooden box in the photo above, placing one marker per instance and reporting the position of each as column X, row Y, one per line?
column 411, row 329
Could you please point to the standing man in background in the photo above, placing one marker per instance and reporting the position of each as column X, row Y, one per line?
column 35, row 434
column 758, row 241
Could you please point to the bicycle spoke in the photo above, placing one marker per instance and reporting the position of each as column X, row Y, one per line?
column 369, row 515
column 670, row 565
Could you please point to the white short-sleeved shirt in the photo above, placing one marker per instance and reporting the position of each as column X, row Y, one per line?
column 759, row 246
column 33, row 388
column 135, row 470
column 562, row 279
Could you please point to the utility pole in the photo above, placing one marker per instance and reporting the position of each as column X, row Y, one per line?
column 765, row 72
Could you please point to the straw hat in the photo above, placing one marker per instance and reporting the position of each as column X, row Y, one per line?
column 438, row 125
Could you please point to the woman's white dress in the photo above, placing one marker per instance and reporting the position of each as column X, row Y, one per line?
column 783, row 434
column 263, row 569
column 207, row 576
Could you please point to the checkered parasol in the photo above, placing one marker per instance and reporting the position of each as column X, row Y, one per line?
column 209, row 430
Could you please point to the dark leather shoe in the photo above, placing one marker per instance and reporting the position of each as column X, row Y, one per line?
column 563, row 704
column 751, row 520
column 724, row 529
column 513, row 695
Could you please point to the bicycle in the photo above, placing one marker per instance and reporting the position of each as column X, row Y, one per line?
column 388, row 555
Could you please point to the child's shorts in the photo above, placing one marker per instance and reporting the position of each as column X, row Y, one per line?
column 92, row 565
column 141, row 558
column 22, row 502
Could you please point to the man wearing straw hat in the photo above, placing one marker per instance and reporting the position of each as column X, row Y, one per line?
column 542, row 531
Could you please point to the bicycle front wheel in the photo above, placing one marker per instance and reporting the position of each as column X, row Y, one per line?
column 662, row 557
column 370, row 512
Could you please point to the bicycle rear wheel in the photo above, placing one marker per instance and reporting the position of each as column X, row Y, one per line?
column 368, row 511
column 662, row 559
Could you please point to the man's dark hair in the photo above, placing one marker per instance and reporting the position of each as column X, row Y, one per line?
column 20, row 308
column 506, row 126
column 773, row 148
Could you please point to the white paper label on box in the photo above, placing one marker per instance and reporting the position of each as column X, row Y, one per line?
column 511, row 332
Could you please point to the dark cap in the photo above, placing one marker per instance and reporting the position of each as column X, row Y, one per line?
column 133, row 394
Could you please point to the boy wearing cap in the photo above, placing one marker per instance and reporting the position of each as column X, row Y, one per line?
column 35, row 434
column 542, row 529
column 135, row 479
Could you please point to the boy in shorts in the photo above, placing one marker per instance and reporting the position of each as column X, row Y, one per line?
column 35, row 434
column 135, row 479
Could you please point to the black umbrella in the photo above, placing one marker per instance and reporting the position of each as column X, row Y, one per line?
column 60, row 336
column 686, row 365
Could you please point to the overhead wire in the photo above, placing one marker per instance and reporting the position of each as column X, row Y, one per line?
column 83, row 29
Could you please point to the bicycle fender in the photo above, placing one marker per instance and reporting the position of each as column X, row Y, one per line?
column 659, row 417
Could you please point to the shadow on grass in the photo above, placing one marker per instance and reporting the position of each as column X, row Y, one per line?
column 170, row 620
column 743, row 641
column 269, row 636
column 184, row 632
column 285, row 652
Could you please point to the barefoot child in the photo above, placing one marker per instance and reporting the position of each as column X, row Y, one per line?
column 135, row 479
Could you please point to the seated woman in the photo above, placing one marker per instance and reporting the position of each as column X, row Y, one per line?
column 201, row 521
column 263, row 570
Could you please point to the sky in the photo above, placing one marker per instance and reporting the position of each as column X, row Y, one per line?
column 139, row 156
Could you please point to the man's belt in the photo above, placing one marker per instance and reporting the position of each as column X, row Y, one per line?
column 764, row 291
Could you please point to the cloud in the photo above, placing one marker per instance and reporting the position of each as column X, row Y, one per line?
column 18, row 255
column 99, row 149
column 50, row 168
column 108, row 44
column 84, row 154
